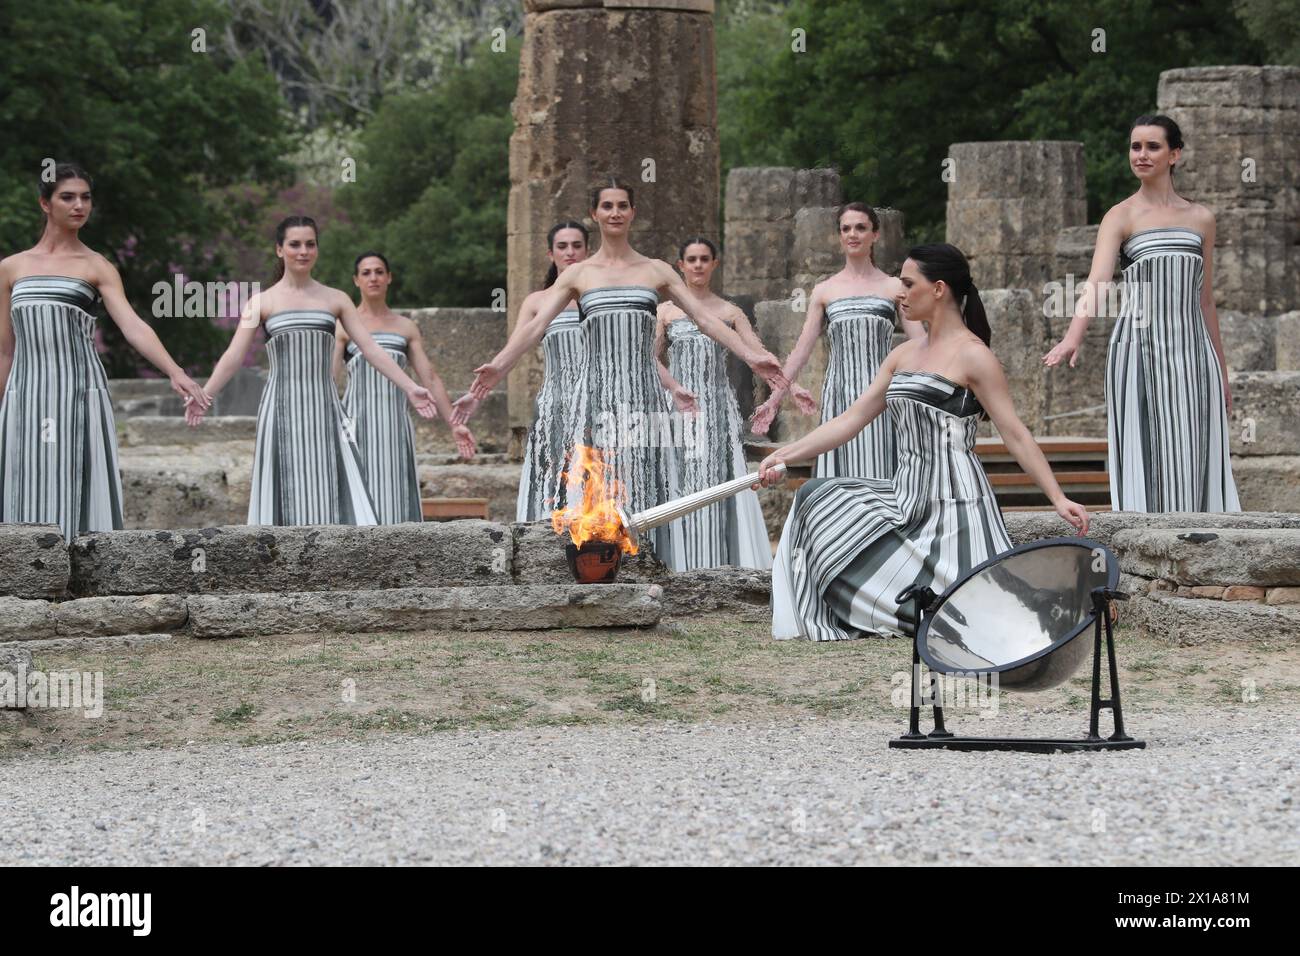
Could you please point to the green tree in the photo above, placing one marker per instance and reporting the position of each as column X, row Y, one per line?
column 1275, row 25
column 432, row 185
column 126, row 90
column 881, row 89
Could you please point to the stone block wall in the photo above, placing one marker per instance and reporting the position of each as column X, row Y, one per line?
column 1241, row 125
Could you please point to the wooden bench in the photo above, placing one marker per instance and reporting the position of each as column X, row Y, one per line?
column 449, row 509
column 1079, row 465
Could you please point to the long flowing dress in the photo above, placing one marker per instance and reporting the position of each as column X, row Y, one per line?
column 564, row 352
column 728, row 532
column 621, row 410
column 306, row 466
column 384, row 434
column 58, row 443
column 1166, row 418
column 861, row 330
column 850, row 545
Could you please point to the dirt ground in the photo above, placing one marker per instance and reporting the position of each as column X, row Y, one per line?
column 710, row 669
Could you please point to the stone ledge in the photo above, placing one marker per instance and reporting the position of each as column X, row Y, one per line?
column 25, row 620
column 244, row 558
column 504, row 608
column 1024, row 527
column 102, row 616
column 34, row 561
column 172, row 430
column 1256, row 557
column 91, row 643
column 1187, row 620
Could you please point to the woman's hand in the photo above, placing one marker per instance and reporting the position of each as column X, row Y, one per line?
column 462, row 408
column 1074, row 513
column 188, row 389
column 486, row 378
column 465, row 443
column 803, row 399
column 684, row 399
column 765, row 414
column 421, row 400
column 1066, row 349
column 767, row 367
column 194, row 411
column 771, row 470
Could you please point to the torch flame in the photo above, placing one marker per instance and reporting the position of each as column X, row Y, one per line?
column 596, row 518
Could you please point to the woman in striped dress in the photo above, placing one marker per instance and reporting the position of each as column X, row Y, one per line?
column 851, row 544
column 375, row 408
column 58, row 443
column 1167, row 392
column 306, row 466
column 564, row 356
column 732, row 531
column 857, row 308
column 620, row 408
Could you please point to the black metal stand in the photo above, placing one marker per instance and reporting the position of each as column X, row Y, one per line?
column 940, row 737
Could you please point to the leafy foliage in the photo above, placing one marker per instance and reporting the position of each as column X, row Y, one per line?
column 884, row 87
column 119, row 88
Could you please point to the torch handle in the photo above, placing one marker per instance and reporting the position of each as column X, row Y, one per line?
column 643, row 521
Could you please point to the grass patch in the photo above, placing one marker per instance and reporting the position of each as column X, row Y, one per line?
column 705, row 669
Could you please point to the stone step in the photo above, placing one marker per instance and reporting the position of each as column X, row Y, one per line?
column 172, row 430
column 244, row 558
column 1213, row 556
column 508, row 608
column 1186, row 621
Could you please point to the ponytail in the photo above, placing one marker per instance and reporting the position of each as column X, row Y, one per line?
column 973, row 314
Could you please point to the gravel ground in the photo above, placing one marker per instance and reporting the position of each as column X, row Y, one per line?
column 1212, row 788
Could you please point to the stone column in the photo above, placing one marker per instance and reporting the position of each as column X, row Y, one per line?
column 1241, row 125
column 762, row 205
column 1006, row 203
column 609, row 86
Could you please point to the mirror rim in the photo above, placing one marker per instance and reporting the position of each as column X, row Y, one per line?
column 1112, row 580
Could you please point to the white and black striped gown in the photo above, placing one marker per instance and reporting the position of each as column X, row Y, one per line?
column 861, row 330
column 621, row 409
column 851, row 545
column 1167, row 421
column 58, row 444
column 564, row 351
column 306, row 467
column 728, row 532
column 384, row 434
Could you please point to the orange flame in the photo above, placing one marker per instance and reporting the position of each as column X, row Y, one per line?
column 596, row 517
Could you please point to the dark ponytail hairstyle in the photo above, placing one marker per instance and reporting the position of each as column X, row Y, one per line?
column 940, row 261
column 610, row 182
column 46, row 188
column 287, row 223
column 553, row 272
column 1173, row 135
column 871, row 214
column 696, row 241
